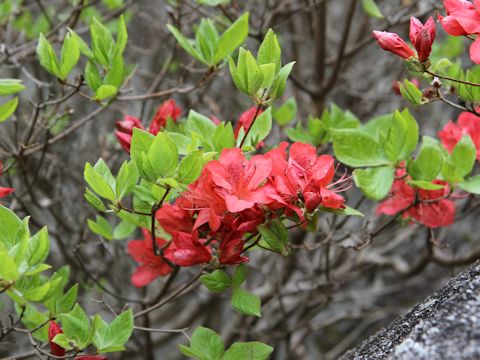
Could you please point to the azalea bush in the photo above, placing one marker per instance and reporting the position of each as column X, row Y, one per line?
column 174, row 185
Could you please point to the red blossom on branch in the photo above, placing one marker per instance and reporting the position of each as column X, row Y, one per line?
column 53, row 330
column 167, row 109
column 125, row 130
column 431, row 208
column 151, row 265
column 463, row 18
column 421, row 35
column 467, row 124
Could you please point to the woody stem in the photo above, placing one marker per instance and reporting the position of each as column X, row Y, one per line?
column 155, row 208
column 452, row 79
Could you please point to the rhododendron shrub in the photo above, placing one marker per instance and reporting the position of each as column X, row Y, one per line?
column 179, row 198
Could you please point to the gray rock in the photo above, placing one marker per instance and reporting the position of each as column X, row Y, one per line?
column 444, row 326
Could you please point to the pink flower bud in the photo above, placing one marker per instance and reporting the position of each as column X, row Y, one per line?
column 422, row 37
column 125, row 130
column 393, row 43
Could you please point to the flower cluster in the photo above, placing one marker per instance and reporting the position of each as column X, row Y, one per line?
column 422, row 37
column 4, row 191
column 56, row 350
column 431, row 208
column 467, row 124
column 167, row 110
column 463, row 19
column 233, row 195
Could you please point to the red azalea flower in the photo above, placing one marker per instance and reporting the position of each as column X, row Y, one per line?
column 152, row 266
column 187, row 250
column 463, row 18
column 125, row 130
column 168, row 109
column 307, row 174
column 393, row 43
column 240, row 182
column 245, row 120
column 467, row 124
column 231, row 252
column 422, row 37
column 431, row 214
column 53, row 330
column 175, row 217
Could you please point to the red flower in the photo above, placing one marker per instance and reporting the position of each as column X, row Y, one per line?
column 53, row 330
column 187, row 250
column 430, row 213
column 463, row 18
column 167, row 109
column 422, row 37
column 231, row 252
column 245, row 120
column 175, row 218
column 151, row 266
column 125, row 130
column 306, row 174
column 4, row 191
column 467, row 124
column 240, row 182
column 393, row 43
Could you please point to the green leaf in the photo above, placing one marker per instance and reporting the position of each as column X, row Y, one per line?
column 223, row 137
column 8, row 268
column 355, row 148
column 7, row 109
column 280, row 82
column 163, row 155
column 205, row 344
column 67, row 301
column 123, row 230
column 10, row 86
column 185, row 44
column 82, row 45
column 274, row 236
column 102, row 42
column 217, row 281
column 248, row 350
column 375, row 182
column 411, row 92
column 426, row 185
column 76, row 326
column 202, row 127
column 246, row 303
column 190, row 167
column 127, row 178
column 111, row 338
column 98, row 183
column 38, row 248
column 269, row 51
column 471, row 185
column 101, row 227
column 427, row 165
column 105, row 91
column 268, row 73
column 46, row 55
column 402, row 136
column 232, row 38
column 122, row 38
column 371, row 8
column 63, row 341
column 463, row 156
column 285, row 113
column 92, row 76
column 9, row 223
column 239, row 276
column 70, row 55
column 94, row 200
column 247, row 75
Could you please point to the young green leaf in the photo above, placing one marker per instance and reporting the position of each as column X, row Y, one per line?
column 10, row 86
column 190, row 167
column 70, row 55
column 375, row 182
column 371, row 8
column 274, row 236
column 7, row 109
column 248, row 350
column 246, row 303
column 217, row 281
column 232, row 38
column 205, row 344
column 163, row 155
column 105, row 91
column 46, row 55
column 269, row 51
